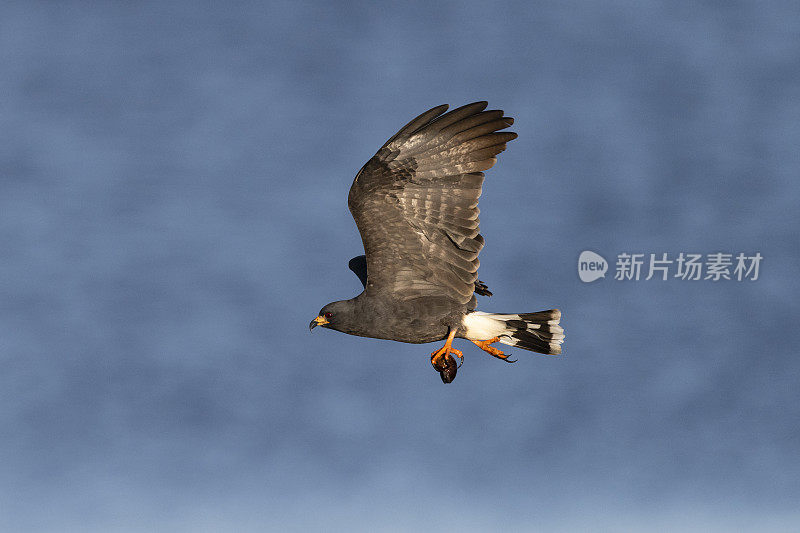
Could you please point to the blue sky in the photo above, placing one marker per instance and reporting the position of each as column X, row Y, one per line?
column 173, row 184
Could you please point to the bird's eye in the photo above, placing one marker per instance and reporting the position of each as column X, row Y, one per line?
column 328, row 315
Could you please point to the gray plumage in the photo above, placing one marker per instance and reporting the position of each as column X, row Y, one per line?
column 416, row 206
column 416, row 203
column 358, row 265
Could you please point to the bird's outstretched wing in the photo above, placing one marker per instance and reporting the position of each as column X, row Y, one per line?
column 416, row 202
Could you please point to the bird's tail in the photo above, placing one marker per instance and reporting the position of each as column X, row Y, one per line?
column 538, row 332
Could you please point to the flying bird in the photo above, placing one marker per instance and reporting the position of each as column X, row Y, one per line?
column 415, row 204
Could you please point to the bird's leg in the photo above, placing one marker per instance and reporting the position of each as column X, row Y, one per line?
column 439, row 356
column 443, row 362
column 484, row 345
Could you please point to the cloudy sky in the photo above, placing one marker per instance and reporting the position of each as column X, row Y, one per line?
column 173, row 180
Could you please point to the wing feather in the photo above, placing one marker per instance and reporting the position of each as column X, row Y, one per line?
column 416, row 203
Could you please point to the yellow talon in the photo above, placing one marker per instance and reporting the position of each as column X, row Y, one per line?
column 491, row 350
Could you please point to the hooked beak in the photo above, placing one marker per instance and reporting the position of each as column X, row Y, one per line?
column 319, row 321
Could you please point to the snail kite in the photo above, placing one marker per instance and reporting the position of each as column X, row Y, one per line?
column 416, row 206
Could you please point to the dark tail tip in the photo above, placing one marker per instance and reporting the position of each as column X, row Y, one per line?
column 539, row 332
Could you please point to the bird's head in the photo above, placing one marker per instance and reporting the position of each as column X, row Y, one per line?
column 336, row 315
